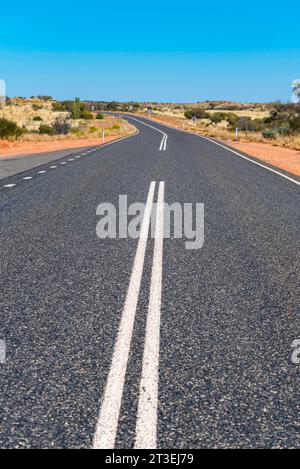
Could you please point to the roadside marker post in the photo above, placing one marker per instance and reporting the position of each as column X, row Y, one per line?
column 103, row 138
column 237, row 134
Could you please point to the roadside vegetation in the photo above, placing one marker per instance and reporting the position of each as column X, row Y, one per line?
column 281, row 125
column 9, row 130
column 41, row 118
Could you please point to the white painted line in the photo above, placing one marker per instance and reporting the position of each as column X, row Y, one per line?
column 63, row 162
column 107, row 424
column 10, row 185
column 163, row 143
column 232, row 151
column 146, row 427
column 53, row 167
column 71, row 159
column 252, row 161
column 41, row 172
column 27, row 178
column 78, row 156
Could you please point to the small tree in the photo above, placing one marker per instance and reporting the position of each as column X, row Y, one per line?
column 199, row 113
column 46, row 129
column 61, row 126
column 86, row 115
column 9, row 130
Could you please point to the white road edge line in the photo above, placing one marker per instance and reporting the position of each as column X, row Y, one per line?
column 232, row 151
column 107, row 425
column 163, row 143
column 146, row 426
column 252, row 161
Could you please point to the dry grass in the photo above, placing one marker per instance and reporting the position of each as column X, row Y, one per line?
column 221, row 132
column 255, row 113
column 23, row 112
column 34, row 143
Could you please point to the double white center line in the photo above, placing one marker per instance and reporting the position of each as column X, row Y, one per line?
column 163, row 143
column 146, row 427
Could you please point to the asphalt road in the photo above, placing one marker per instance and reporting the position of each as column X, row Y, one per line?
column 11, row 165
column 142, row 342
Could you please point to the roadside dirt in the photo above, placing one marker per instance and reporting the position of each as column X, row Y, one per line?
column 283, row 158
column 24, row 148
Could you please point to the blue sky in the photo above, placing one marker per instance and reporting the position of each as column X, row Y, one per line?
column 156, row 51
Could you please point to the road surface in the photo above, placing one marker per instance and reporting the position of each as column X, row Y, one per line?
column 131, row 343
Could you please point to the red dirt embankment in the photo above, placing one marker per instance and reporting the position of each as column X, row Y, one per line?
column 24, row 148
column 283, row 158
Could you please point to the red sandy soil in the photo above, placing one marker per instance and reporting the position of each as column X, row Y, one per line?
column 23, row 148
column 283, row 158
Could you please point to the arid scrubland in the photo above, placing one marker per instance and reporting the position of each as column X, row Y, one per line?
column 35, row 120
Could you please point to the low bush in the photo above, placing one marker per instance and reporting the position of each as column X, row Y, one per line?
column 61, row 126
column 99, row 116
column 37, row 119
column 218, row 117
column 232, row 119
column 10, row 130
column 269, row 133
column 86, row 115
column 198, row 113
column 46, row 129
column 56, row 107
column 37, row 107
column 284, row 129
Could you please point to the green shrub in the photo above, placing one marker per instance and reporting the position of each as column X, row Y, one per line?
column 284, row 129
column 37, row 119
column 37, row 107
column 93, row 129
column 218, row 117
column 58, row 107
column 259, row 124
column 269, row 133
column 199, row 113
column 232, row 119
column 295, row 124
column 99, row 116
column 46, row 129
column 87, row 115
column 10, row 130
